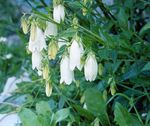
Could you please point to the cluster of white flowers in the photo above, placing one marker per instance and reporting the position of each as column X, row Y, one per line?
column 69, row 63
column 70, row 60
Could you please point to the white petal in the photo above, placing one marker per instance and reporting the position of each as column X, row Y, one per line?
column 62, row 12
column 90, row 68
column 76, row 51
column 56, row 14
column 39, row 43
column 51, row 29
column 36, row 60
column 67, row 76
column 59, row 13
column 40, row 40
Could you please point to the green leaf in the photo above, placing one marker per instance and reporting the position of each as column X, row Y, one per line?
column 43, row 108
column 122, row 17
column 70, row 32
column 141, row 81
column 28, row 118
column 133, row 71
column 144, row 28
column 123, row 117
column 96, row 105
column 148, row 117
column 83, row 112
column 146, row 67
column 74, row 4
column 44, row 112
column 61, row 114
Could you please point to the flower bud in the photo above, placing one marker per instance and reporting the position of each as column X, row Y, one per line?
column 48, row 89
column 100, row 69
column 46, row 72
column 84, row 11
column 105, row 95
column 113, row 87
column 82, row 99
column 24, row 25
column 52, row 50
column 90, row 67
column 75, row 23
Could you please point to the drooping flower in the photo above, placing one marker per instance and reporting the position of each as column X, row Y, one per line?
column 76, row 52
column 51, row 29
column 90, row 67
column 48, row 89
column 39, row 42
column 59, row 13
column 67, row 76
column 36, row 60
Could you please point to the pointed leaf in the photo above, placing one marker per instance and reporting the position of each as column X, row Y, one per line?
column 28, row 118
column 96, row 105
column 123, row 117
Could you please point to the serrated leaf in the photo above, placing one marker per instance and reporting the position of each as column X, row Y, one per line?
column 123, row 117
column 96, row 105
column 28, row 118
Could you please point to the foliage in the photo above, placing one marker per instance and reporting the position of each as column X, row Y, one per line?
column 119, row 36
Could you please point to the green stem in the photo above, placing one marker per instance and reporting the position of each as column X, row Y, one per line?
column 93, row 34
column 138, row 114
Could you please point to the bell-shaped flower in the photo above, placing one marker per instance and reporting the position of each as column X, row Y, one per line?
column 67, row 76
column 51, row 29
column 76, row 52
column 36, row 61
column 59, row 13
column 39, row 42
column 90, row 67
